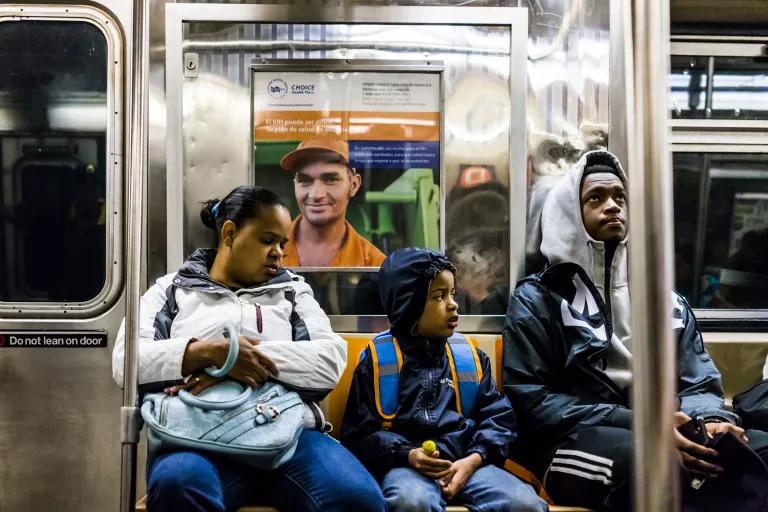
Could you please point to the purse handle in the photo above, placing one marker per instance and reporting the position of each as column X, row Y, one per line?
column 209, row 405
column 234, row 348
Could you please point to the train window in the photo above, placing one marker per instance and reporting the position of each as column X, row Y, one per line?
column 56, row 132
column 688, row 86
column 710, row 87
column 721, row 233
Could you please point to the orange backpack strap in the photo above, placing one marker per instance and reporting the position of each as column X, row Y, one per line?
column 528, row 477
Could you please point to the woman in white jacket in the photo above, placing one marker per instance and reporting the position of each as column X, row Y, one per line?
column 285, row 336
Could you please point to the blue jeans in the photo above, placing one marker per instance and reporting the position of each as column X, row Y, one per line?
column 322, row 475
column 488, row 489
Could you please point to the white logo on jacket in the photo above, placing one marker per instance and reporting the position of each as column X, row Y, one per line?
column 585, row 304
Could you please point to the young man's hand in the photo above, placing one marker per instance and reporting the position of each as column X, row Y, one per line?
column 691, row 452
column 464, row 468
column 430, row 465
column 717, row 427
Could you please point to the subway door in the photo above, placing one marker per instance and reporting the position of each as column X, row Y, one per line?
column 61, row 187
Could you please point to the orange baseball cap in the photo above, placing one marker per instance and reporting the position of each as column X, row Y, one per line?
column 309, row 146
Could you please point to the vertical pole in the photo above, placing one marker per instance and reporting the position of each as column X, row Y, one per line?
column 136, row 167
column 650, row 201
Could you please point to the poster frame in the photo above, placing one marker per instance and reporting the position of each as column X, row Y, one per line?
column 515, row 19
column 350, row 66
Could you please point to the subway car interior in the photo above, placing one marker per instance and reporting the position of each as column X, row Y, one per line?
column 119, row 120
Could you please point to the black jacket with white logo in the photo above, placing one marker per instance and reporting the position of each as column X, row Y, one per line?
column 555, row 341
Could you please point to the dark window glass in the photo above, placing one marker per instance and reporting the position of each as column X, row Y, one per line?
column 721, row 229
column 688, row 86
column 739, row 87
column 53, row 118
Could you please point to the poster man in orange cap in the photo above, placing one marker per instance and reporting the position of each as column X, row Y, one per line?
column 324, row 183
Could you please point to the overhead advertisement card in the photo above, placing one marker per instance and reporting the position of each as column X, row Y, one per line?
column 357, row 154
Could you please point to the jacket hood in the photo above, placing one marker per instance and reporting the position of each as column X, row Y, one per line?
column 563, row 235
column 404, row 280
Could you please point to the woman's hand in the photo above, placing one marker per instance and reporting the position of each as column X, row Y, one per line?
column 196, row 383
column 252, row 367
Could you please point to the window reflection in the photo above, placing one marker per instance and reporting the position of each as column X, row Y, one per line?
column 739, row 87
column 688, row 86
column 53, row 118
column 722, row 231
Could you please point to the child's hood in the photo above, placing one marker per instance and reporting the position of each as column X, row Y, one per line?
column 404, row 280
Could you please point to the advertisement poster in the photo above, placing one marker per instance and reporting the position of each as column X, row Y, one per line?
column 357, row 156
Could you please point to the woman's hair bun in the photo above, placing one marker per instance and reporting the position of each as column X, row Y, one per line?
column 207, row 214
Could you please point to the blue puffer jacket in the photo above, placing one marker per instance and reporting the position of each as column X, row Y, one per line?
column 426, row 397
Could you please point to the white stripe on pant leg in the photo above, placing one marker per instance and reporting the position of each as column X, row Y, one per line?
column 583, row 465
column 581, row 474
column 579, row 453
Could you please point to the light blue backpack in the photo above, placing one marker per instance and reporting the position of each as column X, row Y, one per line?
column 259, row 427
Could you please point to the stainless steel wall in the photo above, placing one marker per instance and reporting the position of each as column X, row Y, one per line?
column 567, row 96
column 59, row 439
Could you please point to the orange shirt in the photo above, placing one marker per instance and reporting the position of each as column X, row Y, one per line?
column 356, row 251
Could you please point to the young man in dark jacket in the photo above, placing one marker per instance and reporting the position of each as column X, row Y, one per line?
column 568, row 349
column 417, row 290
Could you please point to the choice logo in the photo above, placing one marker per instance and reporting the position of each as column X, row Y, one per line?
column 277, row 88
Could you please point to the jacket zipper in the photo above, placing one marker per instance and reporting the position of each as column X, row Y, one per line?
column 429, row 387
column 259, row 320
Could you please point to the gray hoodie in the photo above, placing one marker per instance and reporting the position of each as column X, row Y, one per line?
column 565, row 239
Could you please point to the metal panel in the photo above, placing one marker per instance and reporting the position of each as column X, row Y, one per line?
column 718, row 49
column 568, row 95
column 199, row 172
column 59, row 430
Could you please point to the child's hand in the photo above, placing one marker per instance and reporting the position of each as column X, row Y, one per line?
column 430, row 466
column 463, row 469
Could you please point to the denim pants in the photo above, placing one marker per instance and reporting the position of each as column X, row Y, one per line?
column 488, row 489
column 322, row 475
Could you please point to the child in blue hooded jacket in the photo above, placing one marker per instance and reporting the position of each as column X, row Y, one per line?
column 417, row 288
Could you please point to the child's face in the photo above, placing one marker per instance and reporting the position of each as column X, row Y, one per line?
column 441, row 313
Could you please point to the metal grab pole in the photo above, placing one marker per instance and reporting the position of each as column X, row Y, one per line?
column 136, row 167
column 650, row 191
